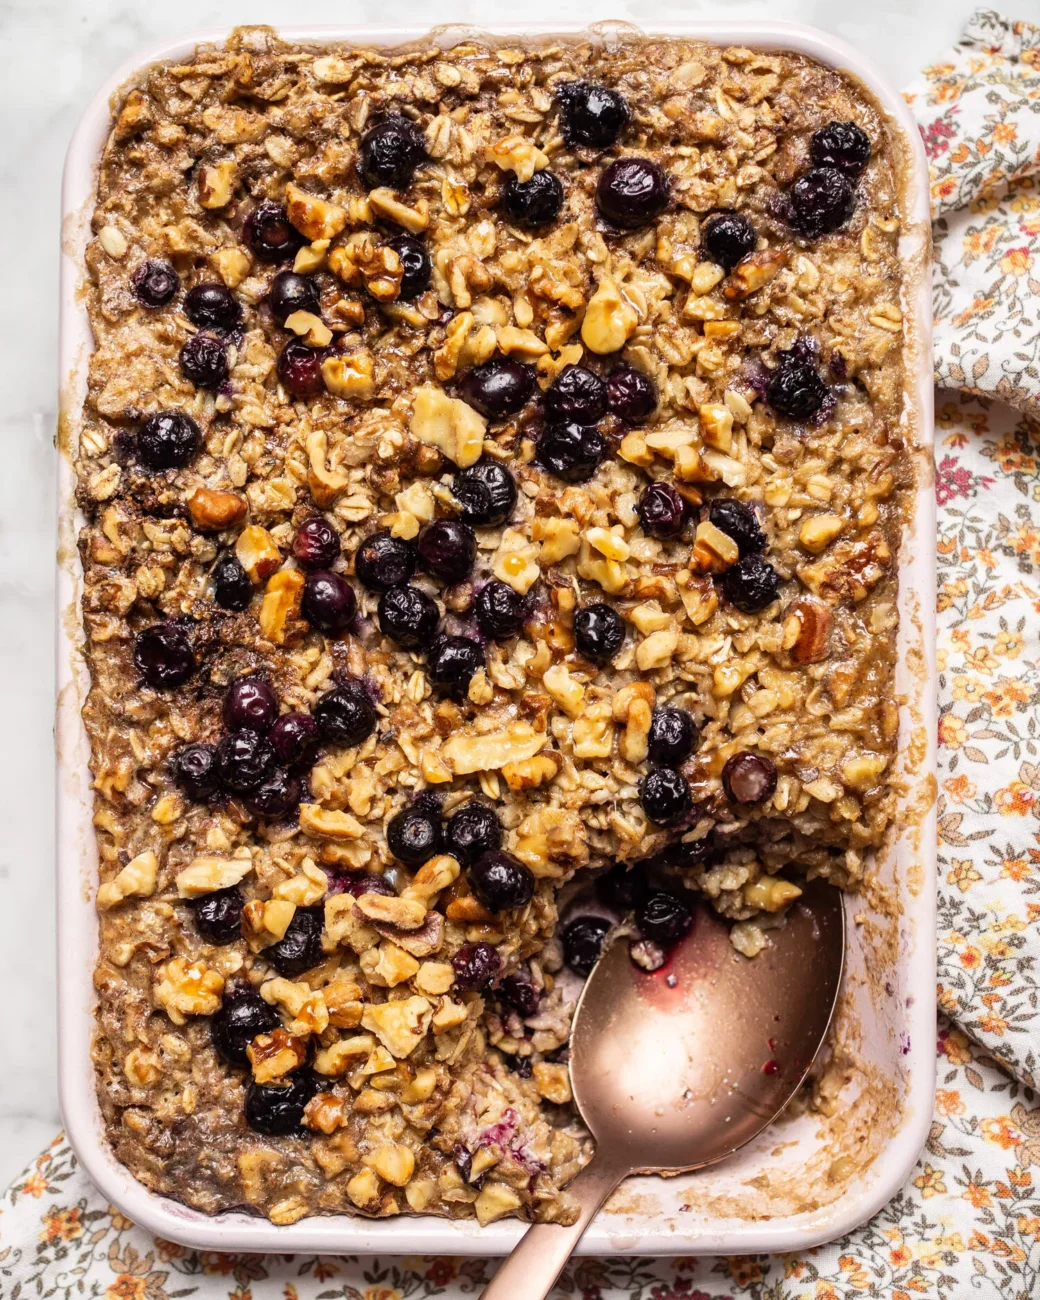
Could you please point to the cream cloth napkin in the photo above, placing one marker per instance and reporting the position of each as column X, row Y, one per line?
column 968, row 1221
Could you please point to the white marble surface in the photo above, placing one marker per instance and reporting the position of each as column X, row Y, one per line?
column 56, row 53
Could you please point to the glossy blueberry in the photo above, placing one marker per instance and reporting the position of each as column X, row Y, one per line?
column 315, row 544
column 276, row 1110
column 476, row 966
column 276, row 796
column 583, row 942
column 739, row 521
column 517, row 991
column 408, row 616
column 299, row 369
column 498, row 388
column 413, row 836
column 751, row 584
column 218, row 916
column 168, row 440
column 534, row 203
column 346, row 715
column 383, row 561
column 416, row 264
column 452, row 662
column 155, row 283
column 632, row 192
column 499, row 610
column 163, row 656
column 821, row 202
column 796, row 390
column 578, row 395
column 245, row 759
column 357, row 883
column 590, row 115
column 390, row 153
column 204, row 360
column 501, row 882
column 843, row 145
column 232, row 588
column 447, row 549
column 599, row 631
column 663, row 918
column 242, row 1016
column 250, row 705
column 294, row 737
column 673, row 736
column 471, row 832
column 290, row 293
column 487, row 492
column 665, row 796
column 749, row 778
column 572, row 452
column 299, row 949
column 196, row 771
column 269, row 233
column 661, row 510
column 329, row 603
column 212, row 306
column 727, row 238
column 631, row 395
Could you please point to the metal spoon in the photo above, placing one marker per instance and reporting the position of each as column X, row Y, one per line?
column 678, row 1069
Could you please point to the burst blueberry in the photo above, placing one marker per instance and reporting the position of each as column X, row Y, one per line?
column 390, row 153
column 632, row 192
column 155, row 283
column 383, row 561
column 345, row 715
column 408, row 616
column 591, row 116
column 472, row 831
column 316, row 544
column 452, row 663
column 163, row 656
column 535, row 203
column 447, row 549
column 270, row 234
column 168, row 440
column 487, row 493
column 232, row 588
column 572, row 452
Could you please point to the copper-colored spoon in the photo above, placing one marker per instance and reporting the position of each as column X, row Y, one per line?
column 678, row 1069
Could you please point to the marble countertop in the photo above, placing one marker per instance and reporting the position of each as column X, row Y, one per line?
column 58, row 52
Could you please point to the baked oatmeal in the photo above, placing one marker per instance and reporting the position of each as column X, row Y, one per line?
column 492, row 470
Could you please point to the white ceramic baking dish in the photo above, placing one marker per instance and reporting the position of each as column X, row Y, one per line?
column 805, row 1181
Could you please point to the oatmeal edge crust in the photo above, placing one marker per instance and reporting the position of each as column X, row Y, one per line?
column 290, row 1019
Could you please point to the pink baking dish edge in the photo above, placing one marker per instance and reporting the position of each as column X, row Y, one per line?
column 77, row 860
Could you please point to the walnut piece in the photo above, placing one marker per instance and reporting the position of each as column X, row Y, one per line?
column 137, row 879
column 187, row 989
column 208, row 873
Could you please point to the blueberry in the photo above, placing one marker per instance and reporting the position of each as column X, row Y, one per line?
column 843, row 145
column 163, row 656
column 250, row 705
column 276, row 796
column 218, row 916
column 578, row 395
column 447, row 549
column 749, row 778
column 739, row 522
column 621, row 887
column 212, row 306
column 168, row 440
column 390, row 153
column 534, row 203
column 408, row 616
column 242, row 1016
column 294, row 737
column 155, row 283
column 727, row 238
column 662, row 511
column 631, row 395
column 583, row 942
column 663, row 918
column 487, row 493
column 821, row 202
column 232, row 588
column 673, row 736
column 599, row 631
column 498, row 388
column 204, row 360
column 499, row 610
column 299, row 949
column 245, row 759
column 476, row 966
column 346, row 715
column 501, row 882
column 751, row 584
column 518, row 992
column 383, row 561
column 329, row 603
column 299, row 369
column 269, row 234
column 632, row 192
column 413, row 836
column 665, row 796
column 591, row 115
column 452, row 662
column 276, row 1110
column 290, row 293
column 572, row 452
column 195, row 770
column 416, row 264
column 315, row 544
column 357, row 883
column 471, row 832
column 796, row 390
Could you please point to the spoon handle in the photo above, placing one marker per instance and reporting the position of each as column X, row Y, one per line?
column 538, row 1259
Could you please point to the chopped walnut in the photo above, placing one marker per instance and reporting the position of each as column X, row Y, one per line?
column 399, row 1026
column 206, row 873
column 275, row 1055
column 136, row 880
column 187, row 989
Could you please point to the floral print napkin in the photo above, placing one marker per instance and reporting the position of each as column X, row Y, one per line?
column 968, row 1220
